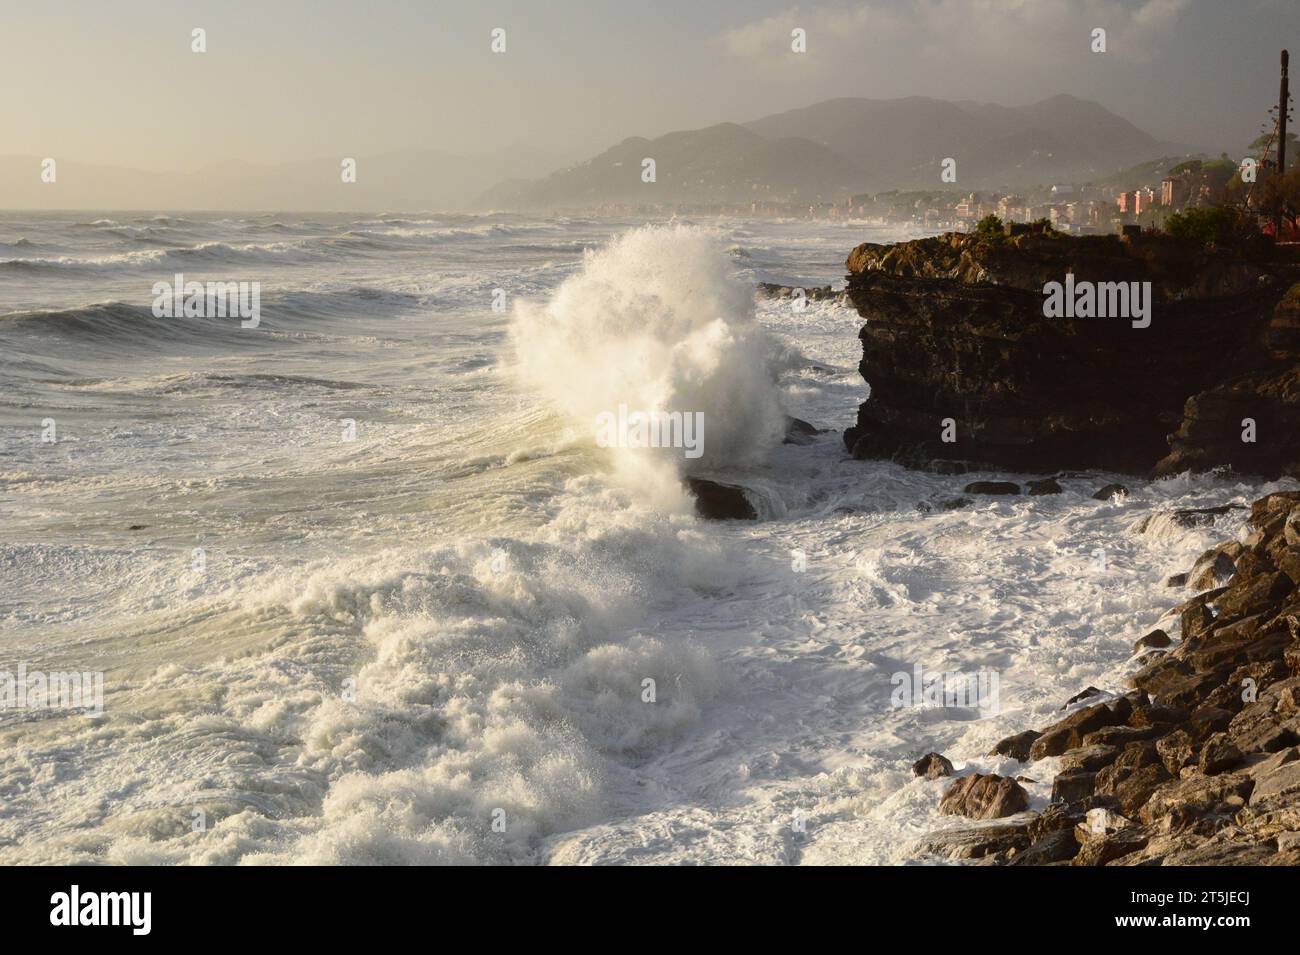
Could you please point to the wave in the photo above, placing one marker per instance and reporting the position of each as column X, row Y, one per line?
column 657, row 322
column 119, row 326
column 207, row 253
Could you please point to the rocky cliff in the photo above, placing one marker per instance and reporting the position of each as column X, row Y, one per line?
column 965, row 369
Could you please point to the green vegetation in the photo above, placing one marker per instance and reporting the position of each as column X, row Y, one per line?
column 990, row 225
column 1218, row 224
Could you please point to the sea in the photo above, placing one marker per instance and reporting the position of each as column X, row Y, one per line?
column 362, row 585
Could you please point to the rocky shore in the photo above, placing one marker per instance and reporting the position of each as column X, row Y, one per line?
column 966, row 371
column 1198, row 763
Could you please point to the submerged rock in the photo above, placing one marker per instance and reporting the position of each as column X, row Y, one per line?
column 932, row 766
column 722, row 502
column 991, row 487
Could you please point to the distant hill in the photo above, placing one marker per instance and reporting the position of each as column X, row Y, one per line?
column 849, row 145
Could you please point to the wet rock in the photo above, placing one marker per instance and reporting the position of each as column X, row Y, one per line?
column 1045, row 486
column 1069, row 732
column 1258, row 591
column 1156, row 638
column 976, row 842
column 991, row 487
column 1017, row 746
column 798, row 431
column 1073, row 785
column 1090, row 758
column 1083, row 694
column 1214, row 567
column 984, row 797
column 1176, row 580
column 1111, row 491
column 721, row 502
column 932, row 766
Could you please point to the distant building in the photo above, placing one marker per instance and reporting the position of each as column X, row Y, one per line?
column 1174, row 191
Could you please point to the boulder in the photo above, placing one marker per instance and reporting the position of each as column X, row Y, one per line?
column 984, row 797
column 1044, row 486
column 1110, row 491
column 1017, row 746
column 932, row 766
column 1219, row 753
column 1156, row 638
column 991, row 487
column 1069, row 732
column 721, row 502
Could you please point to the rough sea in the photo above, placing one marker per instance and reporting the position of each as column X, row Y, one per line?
column 364, row 589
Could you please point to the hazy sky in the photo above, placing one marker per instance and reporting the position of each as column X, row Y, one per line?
column 114, row 81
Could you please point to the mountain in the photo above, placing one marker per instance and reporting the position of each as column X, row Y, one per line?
column 404, row 179
column 726, row 162
column 850, row 145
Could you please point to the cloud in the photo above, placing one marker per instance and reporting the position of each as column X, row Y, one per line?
column 971, row 33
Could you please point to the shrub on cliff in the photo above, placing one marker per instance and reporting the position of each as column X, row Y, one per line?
column 1218, row 224
column 989, row 226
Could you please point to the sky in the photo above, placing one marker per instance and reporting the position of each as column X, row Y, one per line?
column 115, row 82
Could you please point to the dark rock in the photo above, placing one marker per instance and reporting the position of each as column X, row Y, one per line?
column 1083, row 694
column 991, row 487
column 1136, row 788
column 1090, row 758
column 1157, row 714
column 1058, row 846
column 956, row 322
column 1069, row 732
column 1045, row 486
column 1205, row 721
column 1103, row 849
column 1017, row 747
column 721, row 502
column 1111, row 491
column 1214, row 567
column 1218, row 754
column 1176, row 580
column 932, row 766
column 798, row 431
column 984, row 797
column 1073, row 785
column 979, row 842
column 1176, row 751
column 1156, row 638
column 1120, row 736
column 1259, row 591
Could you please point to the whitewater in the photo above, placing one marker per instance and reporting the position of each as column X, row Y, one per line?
column 365, row 590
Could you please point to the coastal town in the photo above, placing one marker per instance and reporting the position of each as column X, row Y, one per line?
column 1143, row 197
